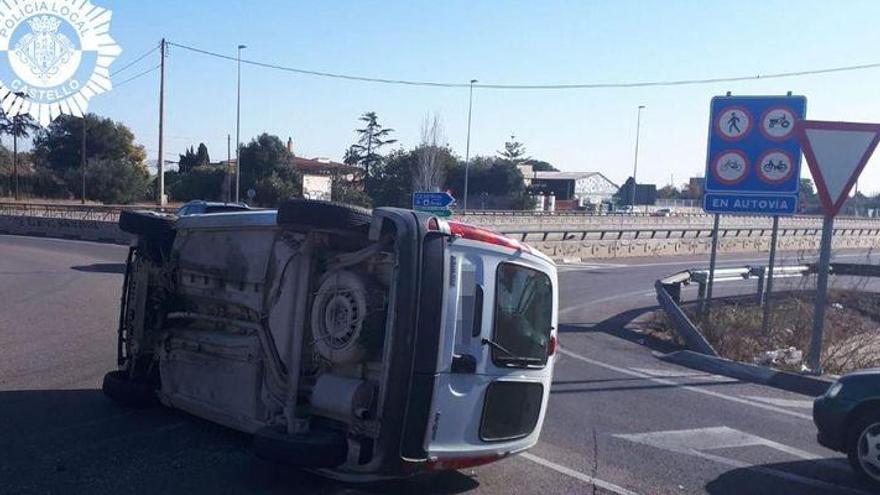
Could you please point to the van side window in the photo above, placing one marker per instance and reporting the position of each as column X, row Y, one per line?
column 467, row 277
column 523, row 315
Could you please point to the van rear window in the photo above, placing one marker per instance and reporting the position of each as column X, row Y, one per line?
column 523, row 316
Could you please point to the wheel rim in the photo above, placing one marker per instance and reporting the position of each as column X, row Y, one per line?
column 869, row 450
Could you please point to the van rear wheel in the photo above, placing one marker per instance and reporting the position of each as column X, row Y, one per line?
column 119, row 388
column 315, row 449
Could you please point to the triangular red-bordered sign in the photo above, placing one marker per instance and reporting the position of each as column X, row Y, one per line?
column 836, row 153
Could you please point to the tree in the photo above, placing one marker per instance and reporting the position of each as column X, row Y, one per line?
column 391, row 180
column 199, row 183
column 495, row 182
column 192, row 159
column 19, row 126
column 540, row 165
column 371, row 138
column 430, row 170
column 268, row 169
column 116, row 182
column 669, row 192
column 59, row 146
column 514, row 152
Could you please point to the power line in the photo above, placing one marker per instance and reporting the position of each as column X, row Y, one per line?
column 610, row 85
column 132, row 78
column 145, row 55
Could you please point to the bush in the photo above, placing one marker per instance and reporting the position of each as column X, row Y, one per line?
column 204, row 183
column 112, row 182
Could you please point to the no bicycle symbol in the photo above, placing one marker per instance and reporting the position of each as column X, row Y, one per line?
column 730, row 167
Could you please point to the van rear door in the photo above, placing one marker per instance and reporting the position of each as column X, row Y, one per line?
column 494, row 362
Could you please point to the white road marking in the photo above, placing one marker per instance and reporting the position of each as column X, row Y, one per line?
column 801, row 404
column 670, row 373
column 721, row 437
column 605, row 485
column 710, row 393
column 694, row 442
column 640, row 293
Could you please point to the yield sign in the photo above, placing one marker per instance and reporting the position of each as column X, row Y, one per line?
column 836, row 153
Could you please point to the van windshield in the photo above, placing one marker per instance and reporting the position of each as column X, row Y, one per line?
column 523, row 316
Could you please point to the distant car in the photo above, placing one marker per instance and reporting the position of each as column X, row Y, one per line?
column 624, row 210
column 848, row 419
column 664, row 212
column 207, row 207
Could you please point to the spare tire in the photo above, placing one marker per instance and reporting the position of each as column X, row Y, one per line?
column 311, row 214
column 315, row 449
column 157, row 230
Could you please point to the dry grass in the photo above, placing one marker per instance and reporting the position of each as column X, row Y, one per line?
column 851, row 339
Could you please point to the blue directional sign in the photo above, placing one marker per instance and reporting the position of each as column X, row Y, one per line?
column 433, row 201
column 753, row 164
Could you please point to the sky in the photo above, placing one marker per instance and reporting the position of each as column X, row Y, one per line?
column 505, row 42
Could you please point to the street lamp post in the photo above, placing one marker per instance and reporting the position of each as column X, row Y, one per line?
column 238, row 130
column 632, row 201
column 467, row 152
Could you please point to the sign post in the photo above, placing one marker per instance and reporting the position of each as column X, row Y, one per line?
column 437, row 203
column 836, row 152
column 753, row 162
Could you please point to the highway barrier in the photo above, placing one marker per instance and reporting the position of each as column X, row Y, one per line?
column 570, row 237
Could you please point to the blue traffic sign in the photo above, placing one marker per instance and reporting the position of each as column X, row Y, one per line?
column 753, row 164
column 432, row 201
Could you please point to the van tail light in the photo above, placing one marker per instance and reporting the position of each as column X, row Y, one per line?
column 473, row 233
column 462, row 462
column 551, row 347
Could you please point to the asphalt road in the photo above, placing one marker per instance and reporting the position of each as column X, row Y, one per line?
column 620, row 420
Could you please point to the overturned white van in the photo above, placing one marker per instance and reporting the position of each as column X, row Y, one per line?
column 364, row 344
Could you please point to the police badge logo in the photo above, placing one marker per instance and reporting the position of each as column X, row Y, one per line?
column 58, row 53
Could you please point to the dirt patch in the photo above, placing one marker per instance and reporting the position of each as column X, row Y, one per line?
column 851, row 339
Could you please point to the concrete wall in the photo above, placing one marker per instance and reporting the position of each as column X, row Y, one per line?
column 575, row 251
column 86, row 230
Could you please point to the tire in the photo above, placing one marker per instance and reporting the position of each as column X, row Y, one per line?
column 156, row 231
column 867, row 424
column 315, row 449
column 310, row 214
column 146, row 223
column 123, row 391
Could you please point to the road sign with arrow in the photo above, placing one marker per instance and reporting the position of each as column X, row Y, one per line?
column 437, row 203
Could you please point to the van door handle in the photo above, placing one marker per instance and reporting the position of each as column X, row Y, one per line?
column 464, row 364
column 477, row 329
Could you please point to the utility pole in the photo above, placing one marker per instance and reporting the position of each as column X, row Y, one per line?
column 636, row 159
column 238, row 130
column 83, row 164
column 228, row 166
column 161, row 162
column 467, row 152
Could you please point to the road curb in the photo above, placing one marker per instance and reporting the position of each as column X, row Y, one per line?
column 792, row 382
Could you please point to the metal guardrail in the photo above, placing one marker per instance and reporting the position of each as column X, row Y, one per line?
column 669, row 291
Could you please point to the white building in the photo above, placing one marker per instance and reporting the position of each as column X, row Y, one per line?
column 585, row 187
